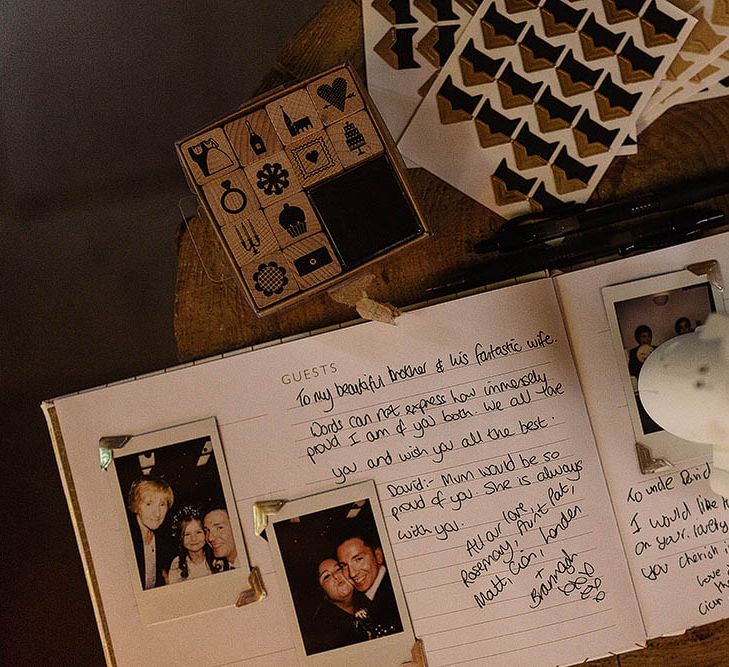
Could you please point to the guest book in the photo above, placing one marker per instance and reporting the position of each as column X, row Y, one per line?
column 497, row 433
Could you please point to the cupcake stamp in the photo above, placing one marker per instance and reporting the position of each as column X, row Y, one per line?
column 292, row 219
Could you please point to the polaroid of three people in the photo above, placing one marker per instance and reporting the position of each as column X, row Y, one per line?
column 184, row 543
column 198, row 542
column 176, row 500
column 643, row 314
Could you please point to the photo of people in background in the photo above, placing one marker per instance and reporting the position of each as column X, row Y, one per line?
column 178, row 520
column 647, row 321
column 338, row 576
column 683, row 326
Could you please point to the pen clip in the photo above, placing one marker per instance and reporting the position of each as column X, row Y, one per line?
column 681, row 230
column 526, row 230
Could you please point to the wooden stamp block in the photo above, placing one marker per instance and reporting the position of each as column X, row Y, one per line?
column 294, row 116
column 355, row 139
column 231, row 196
column 208, row 155
column 249, row 238
column 314, row 159
column 292, row 219
column 272, row 178
column 313, row 260
column 335, row 96
column 253, row 137
column 270, row 279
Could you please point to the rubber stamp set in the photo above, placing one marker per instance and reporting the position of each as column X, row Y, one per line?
column 302, row 187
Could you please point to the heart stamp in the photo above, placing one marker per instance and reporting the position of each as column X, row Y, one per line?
column 335, row 94
column 312, row 156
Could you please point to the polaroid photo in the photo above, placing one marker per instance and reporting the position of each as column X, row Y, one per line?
column 642, row 315
column 177, row 514
column 345, row 599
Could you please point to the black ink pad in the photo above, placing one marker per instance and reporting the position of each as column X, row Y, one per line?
column 365, row 212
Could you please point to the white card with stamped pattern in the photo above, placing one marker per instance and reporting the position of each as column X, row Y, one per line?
column 706, row 43
column 406, row 44
column 538, row 96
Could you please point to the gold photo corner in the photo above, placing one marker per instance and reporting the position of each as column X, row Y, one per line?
column 107, row 444
column 419, row 659
column 256, row 592
column 261, row 510
column 649, row 465
column 711, row 270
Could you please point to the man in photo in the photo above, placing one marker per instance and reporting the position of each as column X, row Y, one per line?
column 149, row 500
column 219, row 535
column 364, row 564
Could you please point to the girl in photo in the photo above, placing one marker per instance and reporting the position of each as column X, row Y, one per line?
column 195, row 557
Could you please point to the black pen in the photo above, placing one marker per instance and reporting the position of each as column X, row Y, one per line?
column 530, row 229
column 574, row 249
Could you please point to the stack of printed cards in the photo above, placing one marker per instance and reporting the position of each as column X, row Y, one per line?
column 523, row 104
column 701, row 69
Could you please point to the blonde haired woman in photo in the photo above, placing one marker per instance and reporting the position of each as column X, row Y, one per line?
column 149, row 500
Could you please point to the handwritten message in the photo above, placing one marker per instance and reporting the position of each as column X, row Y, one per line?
column 488, row 479
column 679, row 529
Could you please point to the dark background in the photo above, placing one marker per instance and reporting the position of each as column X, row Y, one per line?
column 92, row 97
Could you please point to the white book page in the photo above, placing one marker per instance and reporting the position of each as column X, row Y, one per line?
column 469, row 417
column 675, row 530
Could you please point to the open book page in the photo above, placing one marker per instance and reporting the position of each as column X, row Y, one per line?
column 675, row 530
column 469, row 417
